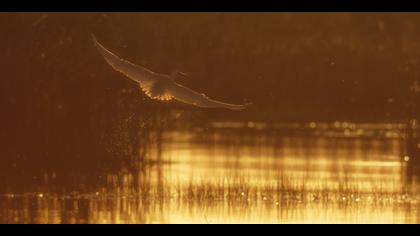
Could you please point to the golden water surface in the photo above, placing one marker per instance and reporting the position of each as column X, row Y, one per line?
column 244, row 173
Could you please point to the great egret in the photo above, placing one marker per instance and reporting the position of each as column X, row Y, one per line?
column 160, row 86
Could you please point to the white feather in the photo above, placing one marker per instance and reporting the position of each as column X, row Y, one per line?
column 161, row 87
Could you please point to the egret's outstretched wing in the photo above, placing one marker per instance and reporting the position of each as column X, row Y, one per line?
column 189, row 96
column 137, row 73
column 158, row 88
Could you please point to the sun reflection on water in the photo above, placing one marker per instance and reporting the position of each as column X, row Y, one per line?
column 240, row 174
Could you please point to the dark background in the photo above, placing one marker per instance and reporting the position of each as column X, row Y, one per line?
column 60, row 100
column 290, row 65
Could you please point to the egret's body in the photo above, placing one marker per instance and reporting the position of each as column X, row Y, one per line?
column 159, row 86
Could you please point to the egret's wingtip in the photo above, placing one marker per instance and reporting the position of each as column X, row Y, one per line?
column 242, row 107
column 93, row 36
column 95, row 41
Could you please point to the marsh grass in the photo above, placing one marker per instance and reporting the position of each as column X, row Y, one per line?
column 207, row 201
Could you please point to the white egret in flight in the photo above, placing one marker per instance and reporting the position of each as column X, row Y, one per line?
column 160, row 86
